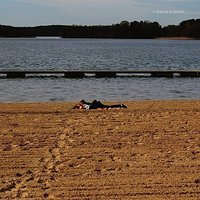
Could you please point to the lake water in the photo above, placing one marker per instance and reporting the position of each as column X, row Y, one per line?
column 98, row 54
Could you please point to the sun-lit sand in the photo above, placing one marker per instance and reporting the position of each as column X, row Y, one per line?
column 149, row 151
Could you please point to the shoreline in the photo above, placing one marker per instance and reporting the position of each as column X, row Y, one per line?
column 150, row 150
column 176, row 38
column 100, row 38
column 68, row 105
column 107, row 101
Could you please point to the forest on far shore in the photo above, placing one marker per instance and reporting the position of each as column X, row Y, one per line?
column 127, row 30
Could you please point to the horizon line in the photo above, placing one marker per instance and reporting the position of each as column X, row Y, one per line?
column 27, row 26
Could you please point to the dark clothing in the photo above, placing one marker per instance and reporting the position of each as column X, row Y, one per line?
column 97, row 104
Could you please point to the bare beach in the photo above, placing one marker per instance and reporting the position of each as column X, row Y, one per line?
column 149, row 151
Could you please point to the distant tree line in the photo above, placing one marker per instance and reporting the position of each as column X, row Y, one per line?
column 188, row 28
column 125, row 29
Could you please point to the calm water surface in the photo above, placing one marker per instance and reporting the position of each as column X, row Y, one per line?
column 98, row 54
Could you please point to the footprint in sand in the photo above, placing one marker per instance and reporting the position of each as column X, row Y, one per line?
column 19, row 186
column 7, row 147
column 56, row 154
column 48, row 196
column 62, row 136
column 24, row 194
column 115, row 158
column 8, row 187
column 46, row 160
column 61, row 142
column 50, row 166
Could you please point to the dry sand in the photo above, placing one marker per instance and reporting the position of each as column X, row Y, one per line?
column 149, row 151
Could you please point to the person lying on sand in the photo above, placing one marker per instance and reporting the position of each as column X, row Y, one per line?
column 96, row 105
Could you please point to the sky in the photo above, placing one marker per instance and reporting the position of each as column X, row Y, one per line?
column 95, row 12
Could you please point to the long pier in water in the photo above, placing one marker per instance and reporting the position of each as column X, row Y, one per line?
column 103, row 73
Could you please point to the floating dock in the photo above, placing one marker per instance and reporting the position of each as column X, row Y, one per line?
column 103, row 74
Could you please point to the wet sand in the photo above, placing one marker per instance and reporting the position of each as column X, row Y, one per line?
column 149, row 151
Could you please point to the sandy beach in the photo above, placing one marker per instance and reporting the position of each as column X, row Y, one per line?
column 149, row 151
